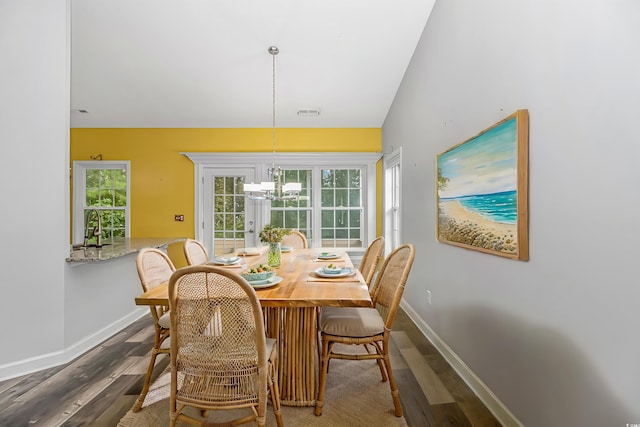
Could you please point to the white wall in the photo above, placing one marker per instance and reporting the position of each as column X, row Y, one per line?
column 50, row 311
column 34, row 135
column 556, row 337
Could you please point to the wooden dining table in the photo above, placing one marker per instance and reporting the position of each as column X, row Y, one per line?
column 291, row 312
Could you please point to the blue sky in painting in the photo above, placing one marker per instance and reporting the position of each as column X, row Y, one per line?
column 483, row 165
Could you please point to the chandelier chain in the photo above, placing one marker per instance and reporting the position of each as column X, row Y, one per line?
column 274, row 51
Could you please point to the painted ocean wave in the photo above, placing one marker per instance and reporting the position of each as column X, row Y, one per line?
column 498, row 207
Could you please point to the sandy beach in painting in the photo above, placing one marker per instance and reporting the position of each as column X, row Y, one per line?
column 456, row 224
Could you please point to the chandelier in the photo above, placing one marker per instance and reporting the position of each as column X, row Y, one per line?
column 275, row 188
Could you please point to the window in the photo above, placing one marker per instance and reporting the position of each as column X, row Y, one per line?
column 228, row 213
column 297, row 214
column 340, row 204
column 102, row 186
column 341, row 208
column 336, row 206
column 392, row 163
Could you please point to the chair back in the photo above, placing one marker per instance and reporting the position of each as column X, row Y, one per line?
column 371, row 259
column 218, row 344
column 154, row 268
column 295, row 239
column 389, row 285
column 195, row 253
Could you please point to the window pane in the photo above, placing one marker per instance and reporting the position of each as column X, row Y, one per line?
column 218, row 204
column 354, row 219
column 228, row 222
column 291, row 219
column 228, row 185
column 354, row 198
column 121, row 178
column 328, row 198
column 342, row 178
column 91, row 198
column 354, row 178
column 327, row 233
column 218, row 221
column 304, row 220
column 240, row 224
column 120, row 198
column 342, row 218
column 342, row 198
column 106, row 198
column 239, row 185
column 327, row 178
column 327, row 219
column 228, row 204
column 218, row 185
column 277, row 219
column 342, row 234
column 239, row 204
column 92, row 178
column 119, row 219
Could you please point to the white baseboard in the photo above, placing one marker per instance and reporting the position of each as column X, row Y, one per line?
column 49, row 360
column 490, row 400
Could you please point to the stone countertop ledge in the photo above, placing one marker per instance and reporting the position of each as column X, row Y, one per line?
column 119, row 248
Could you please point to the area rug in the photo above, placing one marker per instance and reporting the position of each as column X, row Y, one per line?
column 354, row 396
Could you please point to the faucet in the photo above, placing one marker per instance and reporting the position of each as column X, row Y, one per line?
column 90, row 232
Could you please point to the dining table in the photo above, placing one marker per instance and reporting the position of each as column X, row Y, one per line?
column 291, row 301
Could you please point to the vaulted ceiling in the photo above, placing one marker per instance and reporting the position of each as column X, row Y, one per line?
column 205, row 63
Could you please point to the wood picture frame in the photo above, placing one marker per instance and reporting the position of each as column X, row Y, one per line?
column 482, row 190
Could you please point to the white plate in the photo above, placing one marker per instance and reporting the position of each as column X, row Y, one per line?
column 327, row 256
column 226, row 261
column 272, row 281
column 332, row 271
column 286, row 249
column 345, row 272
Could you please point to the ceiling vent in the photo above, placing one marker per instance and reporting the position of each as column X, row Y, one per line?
column 308, row 112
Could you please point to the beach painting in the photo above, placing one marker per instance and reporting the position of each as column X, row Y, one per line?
column 482, row 188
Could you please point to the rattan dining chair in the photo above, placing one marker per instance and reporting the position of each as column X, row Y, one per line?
column 220, row 356
column 154, row 268
column 295, row 239
column 194, row 252
column 371, row 259
column 362, row 326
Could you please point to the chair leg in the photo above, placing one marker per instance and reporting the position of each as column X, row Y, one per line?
column 275, row 396
column 324, row 367
column 380, row 362
column 147, row 381
column 395, row 395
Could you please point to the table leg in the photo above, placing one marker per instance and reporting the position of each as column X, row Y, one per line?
column 295, row 329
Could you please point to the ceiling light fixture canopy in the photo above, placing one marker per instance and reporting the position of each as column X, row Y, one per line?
column 275, row 188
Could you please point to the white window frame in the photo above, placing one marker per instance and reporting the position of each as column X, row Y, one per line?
column 392, row 199
column 79, row 193
column 262, row 161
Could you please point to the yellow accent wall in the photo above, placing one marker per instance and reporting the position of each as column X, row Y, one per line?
column 162, row 179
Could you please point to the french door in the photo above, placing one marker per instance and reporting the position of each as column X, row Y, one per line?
column 228, row 221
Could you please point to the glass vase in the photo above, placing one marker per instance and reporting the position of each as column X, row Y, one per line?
column 274, row 255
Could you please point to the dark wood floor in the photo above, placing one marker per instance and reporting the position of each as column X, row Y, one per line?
column 99, row 387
